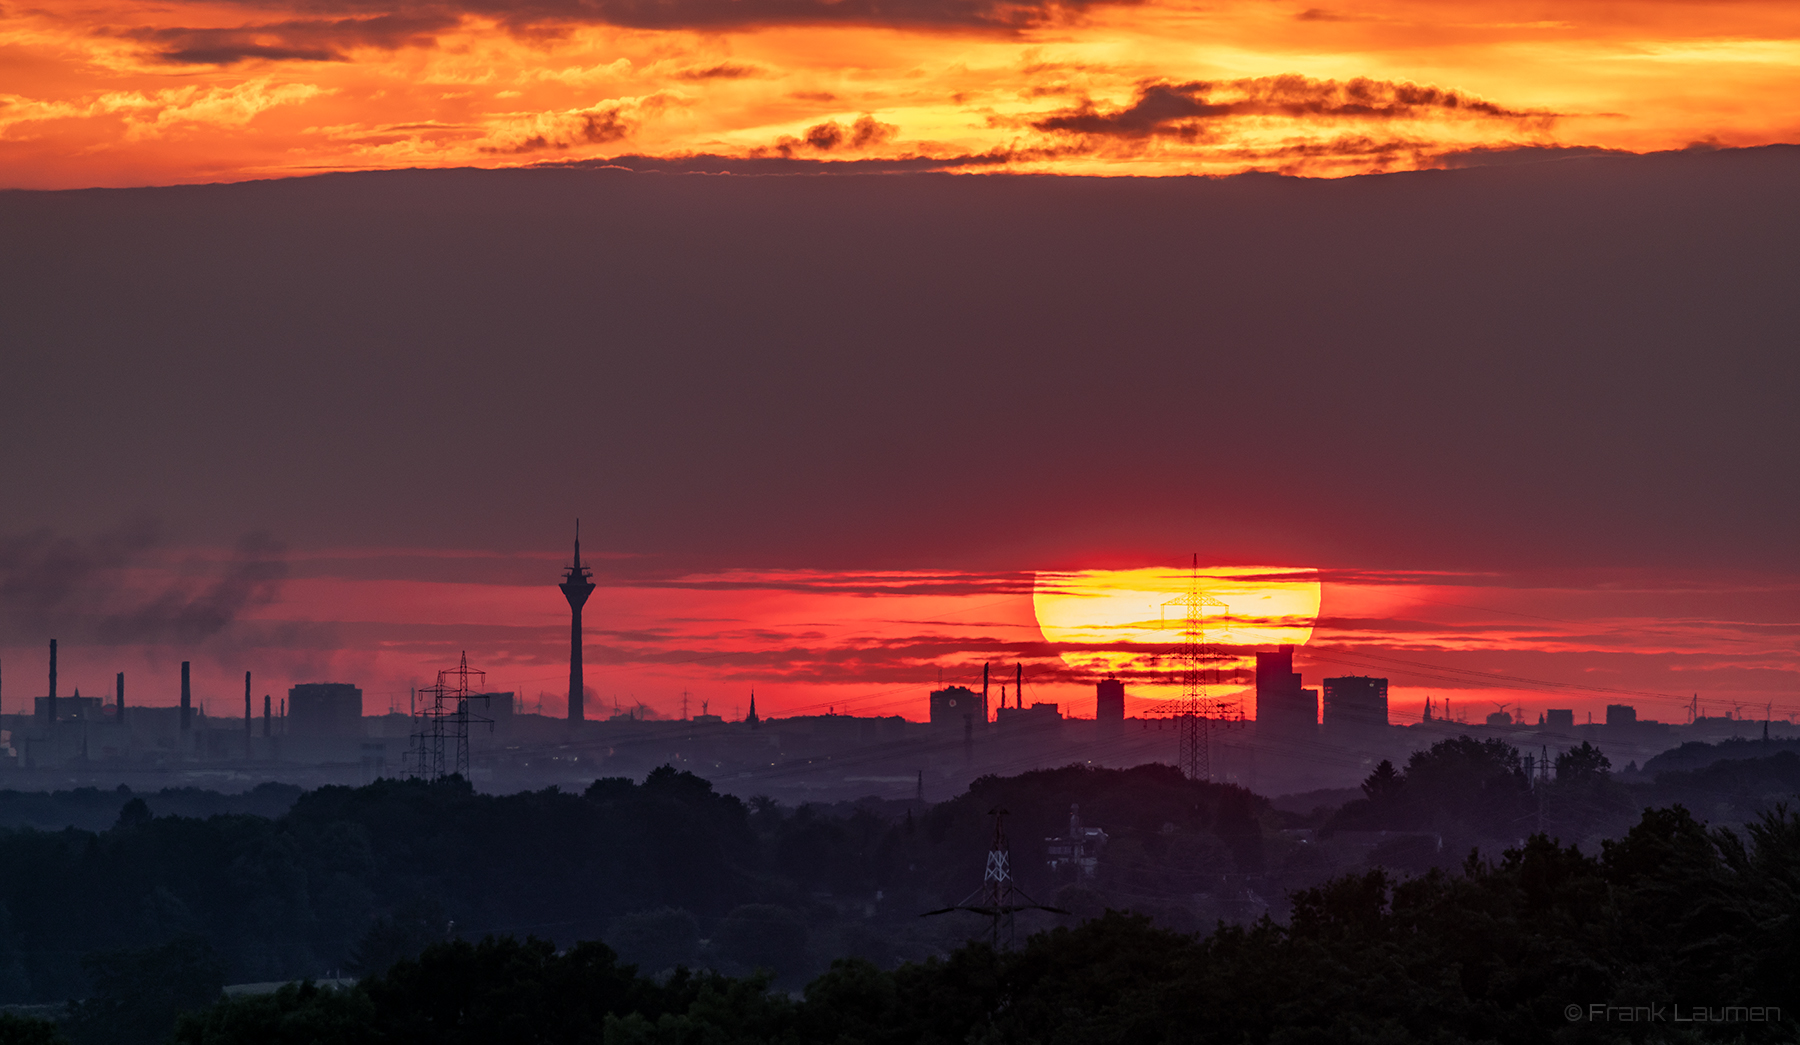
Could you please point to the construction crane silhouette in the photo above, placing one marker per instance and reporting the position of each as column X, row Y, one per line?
column 998, row 898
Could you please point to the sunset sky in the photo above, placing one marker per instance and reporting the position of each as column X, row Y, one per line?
column 111, row 93
column 875, row 643
column 1512, row 433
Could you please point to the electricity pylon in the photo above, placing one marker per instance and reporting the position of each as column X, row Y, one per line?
column 999, row 896
column 1197, row 709
column 440, row 739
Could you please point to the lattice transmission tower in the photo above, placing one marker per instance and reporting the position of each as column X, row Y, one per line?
column 1197, row 709
column 441, row 717
column 999, row 897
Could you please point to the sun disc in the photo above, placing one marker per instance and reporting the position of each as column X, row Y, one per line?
column 1128, row 623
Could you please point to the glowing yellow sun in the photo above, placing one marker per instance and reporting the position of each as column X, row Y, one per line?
column 1117, row 621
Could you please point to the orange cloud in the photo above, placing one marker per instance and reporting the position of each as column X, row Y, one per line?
column 1183, row 110
column 126, row 92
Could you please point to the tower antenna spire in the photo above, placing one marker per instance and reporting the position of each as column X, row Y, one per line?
column 576, row 586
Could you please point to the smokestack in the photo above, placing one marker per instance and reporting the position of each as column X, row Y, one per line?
column 1018, row 685
column 119, row 701
column 984, row 684
column 187, row 698
column 50, row 705
column 265, row 716
column 247, row 752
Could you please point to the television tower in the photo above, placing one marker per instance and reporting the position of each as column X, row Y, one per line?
column 576, row 587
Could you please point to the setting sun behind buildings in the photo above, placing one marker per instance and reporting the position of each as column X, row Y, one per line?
column 1114, row 622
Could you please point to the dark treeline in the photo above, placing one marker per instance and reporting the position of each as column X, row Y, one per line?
column 153, row 915
column 1465, row 793
column 1544, row 943
column 351, row 878
column 1697, row 754
column 93, row 809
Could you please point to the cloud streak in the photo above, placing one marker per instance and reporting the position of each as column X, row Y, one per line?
column 1190, row 111
column 982, row 15
column 304, row 40
column 87, row 589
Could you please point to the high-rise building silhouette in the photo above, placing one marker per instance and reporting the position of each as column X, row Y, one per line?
column 958, row 706
column 1109, row 704
column 576, row 587
column 325, row 709
column 1284, row 709
column 1355, row 705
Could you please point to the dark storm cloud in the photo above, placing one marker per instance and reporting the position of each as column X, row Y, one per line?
column 1002, row 16
column 80, row 588
column 1587, row 363
column 1185, row 111
column 309, row 40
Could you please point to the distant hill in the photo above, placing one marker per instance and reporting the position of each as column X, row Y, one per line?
column 1697, row 754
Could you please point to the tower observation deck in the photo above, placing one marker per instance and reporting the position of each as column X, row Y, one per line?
column 576, row 587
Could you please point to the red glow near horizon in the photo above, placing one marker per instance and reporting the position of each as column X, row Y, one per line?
column 875, row 643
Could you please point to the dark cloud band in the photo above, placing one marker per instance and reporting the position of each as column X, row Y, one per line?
column 1187, row 111
column 304, row 40
column 356, row 18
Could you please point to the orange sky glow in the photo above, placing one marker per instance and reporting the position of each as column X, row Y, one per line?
column 116, row 93
column 877, row 642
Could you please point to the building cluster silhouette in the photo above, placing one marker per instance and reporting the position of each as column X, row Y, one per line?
column 1299, row 738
